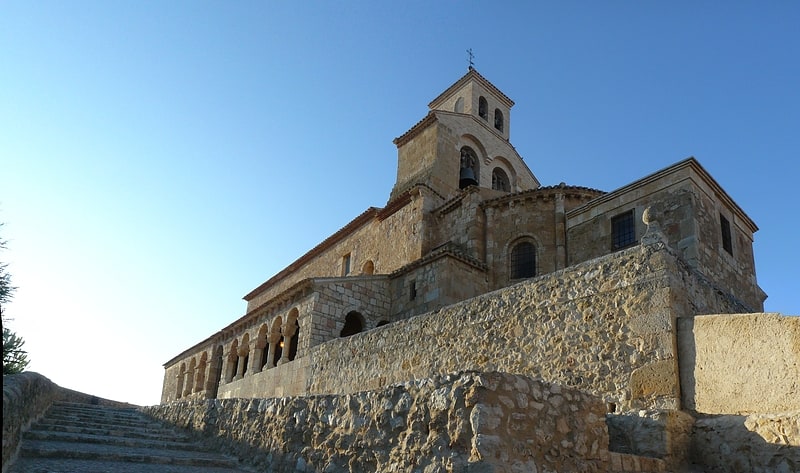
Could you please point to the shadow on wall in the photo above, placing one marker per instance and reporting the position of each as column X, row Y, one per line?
column 751, row 444
column 739, row 377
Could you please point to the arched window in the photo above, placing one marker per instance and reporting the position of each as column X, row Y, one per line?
column 498, row 119
column 275, row 341
column 244, row 355
column 181, row 375
column 459, row 108
column 500, row 180
column 523, row 260
column 483, row 108
column 262, row 344
column 293, row 341
column 352, row 324
column 233, row 360
column 368, row 268
column 469, row 172
column 200, row 377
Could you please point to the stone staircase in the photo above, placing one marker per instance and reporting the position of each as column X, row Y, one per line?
column 97, row 439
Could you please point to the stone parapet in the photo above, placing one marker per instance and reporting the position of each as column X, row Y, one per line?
column 605, row 326
column 468, row 421
column 26, row 396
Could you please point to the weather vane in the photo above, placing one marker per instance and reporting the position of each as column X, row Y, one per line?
column 471, row 57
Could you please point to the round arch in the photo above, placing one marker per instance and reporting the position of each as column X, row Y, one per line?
column 353, row 323
column 522, row 257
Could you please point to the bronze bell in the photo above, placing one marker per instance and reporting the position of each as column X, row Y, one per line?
column 466, row 178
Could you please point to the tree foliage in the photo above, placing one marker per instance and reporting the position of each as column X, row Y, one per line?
column 15, row 359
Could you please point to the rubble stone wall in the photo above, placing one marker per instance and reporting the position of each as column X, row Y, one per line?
column 463, row 422
column 605, row 326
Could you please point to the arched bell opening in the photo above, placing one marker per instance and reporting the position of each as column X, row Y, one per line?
column 468, row 173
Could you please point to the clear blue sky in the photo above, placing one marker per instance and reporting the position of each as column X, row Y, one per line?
column 158, row 160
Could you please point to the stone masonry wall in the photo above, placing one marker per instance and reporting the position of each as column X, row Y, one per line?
column 687, row 206
column 442, row 281
column 26, row 397
column 529, row 216
column 465, row 422
column 605, row 326
column 740, row 364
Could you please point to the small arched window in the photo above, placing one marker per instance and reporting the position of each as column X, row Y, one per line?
column 500, row 180
column 483, row 108
column 523, row 260
column 368, row 268
column 294, row 341
column 498, row 119
column 459, row 107
column 352, row 324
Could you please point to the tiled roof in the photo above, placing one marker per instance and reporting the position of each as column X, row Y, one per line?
column 544, row 190
column 365, row 217
column 402, row 139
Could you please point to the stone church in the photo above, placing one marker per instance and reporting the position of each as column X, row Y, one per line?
column 468, row 231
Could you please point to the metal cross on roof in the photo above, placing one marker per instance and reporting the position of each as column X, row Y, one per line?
column 471, row 57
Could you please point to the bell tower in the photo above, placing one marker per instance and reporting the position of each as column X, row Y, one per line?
column 463, row 141
column 474, row 95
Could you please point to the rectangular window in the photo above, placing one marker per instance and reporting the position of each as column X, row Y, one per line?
column 346, row 264
column 623, row 231
column 725, row 227
column 413, row 290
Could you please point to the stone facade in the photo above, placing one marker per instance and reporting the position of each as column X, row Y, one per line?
column 473, row 265
column 466, row 217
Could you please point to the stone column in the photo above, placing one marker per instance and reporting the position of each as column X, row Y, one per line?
column 288, row 332
column 561, row 230
column 488, row 245
column 200, row 377
column 179, row 384
column 227, row 358
column 188, row 382
column 273, row 339
column 255, row 358
column 243, row 350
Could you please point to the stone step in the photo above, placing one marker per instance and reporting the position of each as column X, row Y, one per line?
column 125, row 441
column 94, row 439
column 142, row 424
column 115, row 453
column 96, row 410
column 159, row 433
